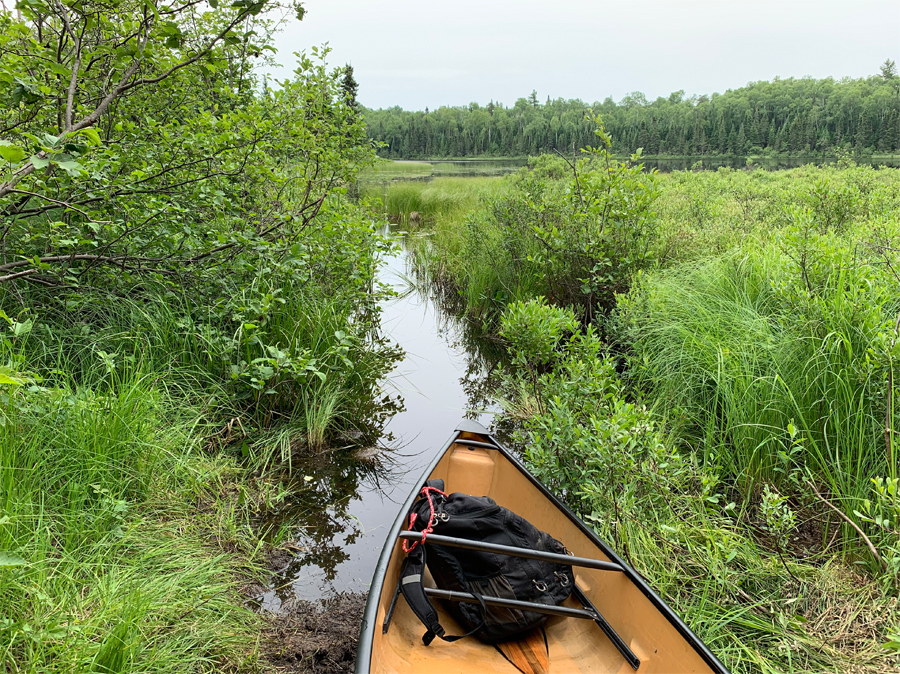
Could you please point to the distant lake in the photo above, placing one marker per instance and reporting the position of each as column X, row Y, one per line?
column 441, row 168
column 402, row 169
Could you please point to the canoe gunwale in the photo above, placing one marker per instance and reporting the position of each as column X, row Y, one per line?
column 370, row 615
column 367, row 631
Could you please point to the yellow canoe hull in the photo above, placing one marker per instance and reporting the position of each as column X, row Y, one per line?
column 660, row 640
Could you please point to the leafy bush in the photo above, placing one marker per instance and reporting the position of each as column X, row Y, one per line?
column 574, row 240
column 615, row 465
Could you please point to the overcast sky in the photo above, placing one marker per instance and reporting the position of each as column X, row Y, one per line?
column 428, row 53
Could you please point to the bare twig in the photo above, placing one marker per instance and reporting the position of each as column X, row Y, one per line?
column 853, row 524
column 10, row 277
column 574, row 172
column 64, row 204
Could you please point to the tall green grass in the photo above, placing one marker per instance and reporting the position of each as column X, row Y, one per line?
column 433, row 199
column 129, row 425
column 772, row 380
column 758, row 350
column 672, row 515
column 105, row 565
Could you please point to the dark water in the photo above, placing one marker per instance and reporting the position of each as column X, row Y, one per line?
column 341, row 515
column 477, row 167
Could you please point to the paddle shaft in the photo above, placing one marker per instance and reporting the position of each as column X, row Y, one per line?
column 512, row 551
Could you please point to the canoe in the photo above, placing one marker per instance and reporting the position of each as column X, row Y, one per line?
column 641, row 633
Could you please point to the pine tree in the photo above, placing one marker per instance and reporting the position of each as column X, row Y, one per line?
column 653, row 144
column 643, row 138
column 753, row 136
column 741, row 145
column 721, row 135
column 349, row 86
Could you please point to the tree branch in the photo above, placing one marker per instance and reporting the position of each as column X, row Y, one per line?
column 853, row 524
column 10, row 277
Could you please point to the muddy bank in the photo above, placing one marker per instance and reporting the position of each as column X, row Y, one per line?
column 315, row 637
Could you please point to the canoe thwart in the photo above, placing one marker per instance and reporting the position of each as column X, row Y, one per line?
column 476, row 443
column 467, row 598
column 511, row 550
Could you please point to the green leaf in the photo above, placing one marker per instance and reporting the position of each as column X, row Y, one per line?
column 8, row 560
column 8, row 377
column 11, row 153
column 39, row 162
column 73, row 168
column 92, row 135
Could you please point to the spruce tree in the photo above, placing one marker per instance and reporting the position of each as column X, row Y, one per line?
column 863, row 133
column 349, row 86
column 741, row 141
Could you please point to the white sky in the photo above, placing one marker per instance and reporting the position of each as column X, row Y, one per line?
column 418, row 53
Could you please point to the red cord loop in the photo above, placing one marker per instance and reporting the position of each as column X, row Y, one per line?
column 426, row 492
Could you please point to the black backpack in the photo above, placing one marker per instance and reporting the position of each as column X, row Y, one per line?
column 480, row 573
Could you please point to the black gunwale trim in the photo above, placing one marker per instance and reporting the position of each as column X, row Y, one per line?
column 633, row 575
column 370, row 615
column 367, row 630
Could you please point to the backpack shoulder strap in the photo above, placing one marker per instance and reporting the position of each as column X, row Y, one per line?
column 413, row 588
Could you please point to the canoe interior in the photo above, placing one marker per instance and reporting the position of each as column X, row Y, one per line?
column 574, row 645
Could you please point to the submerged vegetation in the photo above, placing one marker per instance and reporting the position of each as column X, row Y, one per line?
column 703, row 364
column 187, row 300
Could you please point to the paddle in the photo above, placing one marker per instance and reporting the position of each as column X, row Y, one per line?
column 529, row 654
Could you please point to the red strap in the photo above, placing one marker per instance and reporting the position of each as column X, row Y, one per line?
column 426, row 492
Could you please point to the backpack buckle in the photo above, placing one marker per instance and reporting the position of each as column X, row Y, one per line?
column 539, row 585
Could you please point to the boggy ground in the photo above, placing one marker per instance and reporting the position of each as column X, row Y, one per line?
column 306, row 637
column 314, row 637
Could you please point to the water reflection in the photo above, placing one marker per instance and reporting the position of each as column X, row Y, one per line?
column 342, row 504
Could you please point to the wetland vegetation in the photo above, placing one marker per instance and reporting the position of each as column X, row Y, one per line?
column 703, row 364
column 188, row 300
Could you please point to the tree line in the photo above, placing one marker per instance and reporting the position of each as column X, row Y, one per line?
column 783, row 117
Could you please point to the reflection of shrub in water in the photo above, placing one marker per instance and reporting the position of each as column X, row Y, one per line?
column 318, row 513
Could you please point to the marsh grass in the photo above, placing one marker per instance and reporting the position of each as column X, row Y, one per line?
column 387, row 170
column 129, row 456
column 106, row 564
column 772, row 384
column 762, row 341
column 433, row 199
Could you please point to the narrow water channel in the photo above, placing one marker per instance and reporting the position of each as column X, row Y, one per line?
column 345, row 505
